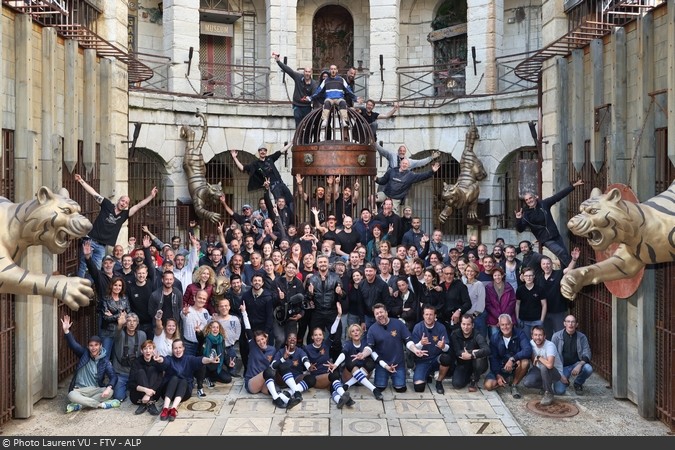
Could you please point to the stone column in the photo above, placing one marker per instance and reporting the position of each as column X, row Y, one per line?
column 384, row 45
column 485, row 29
column 282, row 27
column 181, row 32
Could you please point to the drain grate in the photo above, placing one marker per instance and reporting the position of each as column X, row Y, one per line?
column 555, row 409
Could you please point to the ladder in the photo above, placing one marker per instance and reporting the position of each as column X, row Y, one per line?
column 248, row 55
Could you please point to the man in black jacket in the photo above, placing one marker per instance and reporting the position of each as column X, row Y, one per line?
column 457, row 300
column 538, row 218
column 324, row 290
column 263, row 169
column 304, row 87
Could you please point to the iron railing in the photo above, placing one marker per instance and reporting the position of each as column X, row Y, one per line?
column 435, row 80
column 234, row 81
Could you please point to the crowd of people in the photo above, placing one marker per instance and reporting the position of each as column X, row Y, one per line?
column 346, row 297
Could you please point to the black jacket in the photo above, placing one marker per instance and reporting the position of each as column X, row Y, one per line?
column 539, row 219
column 324, row 296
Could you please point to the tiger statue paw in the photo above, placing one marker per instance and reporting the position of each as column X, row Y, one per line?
column 644, row 232
column 51, row 220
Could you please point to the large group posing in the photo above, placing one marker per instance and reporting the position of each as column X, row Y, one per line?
column 347, row 297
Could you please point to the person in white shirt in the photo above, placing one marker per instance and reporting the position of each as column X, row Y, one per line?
column 547, row 367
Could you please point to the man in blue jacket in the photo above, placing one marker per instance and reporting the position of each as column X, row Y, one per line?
column 538, row 218
column 510, row 353
column 89, row 387
column 398, row 181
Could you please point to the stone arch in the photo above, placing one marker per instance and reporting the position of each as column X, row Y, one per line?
column 333, row 37
column 450, row 13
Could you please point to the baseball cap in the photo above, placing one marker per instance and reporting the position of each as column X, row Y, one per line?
column 246, row 206
column 95, row 338
column 108, row 257
column 167, row 261
column 262, row 148
column 166, row 245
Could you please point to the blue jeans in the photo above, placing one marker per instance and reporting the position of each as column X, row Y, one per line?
column 191, row 348
column 299, row 113
column 424, row 368
column 382, row 376
column 583, row 375
column 480, row 324
column 558, row 248
column 527, row 326
column 108, row 343
column 120, row 389
column 97, row 254
column 369, row 322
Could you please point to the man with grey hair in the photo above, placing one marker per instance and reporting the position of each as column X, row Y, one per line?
column 127, row 347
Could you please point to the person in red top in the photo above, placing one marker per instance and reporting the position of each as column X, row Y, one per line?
column 204, row 278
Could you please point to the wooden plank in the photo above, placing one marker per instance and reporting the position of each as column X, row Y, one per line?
column 448, row 32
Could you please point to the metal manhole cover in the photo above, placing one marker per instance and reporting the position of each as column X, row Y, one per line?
column 555, row 409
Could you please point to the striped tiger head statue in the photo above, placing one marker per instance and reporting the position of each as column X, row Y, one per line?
column 51, row 219
column 602, row 220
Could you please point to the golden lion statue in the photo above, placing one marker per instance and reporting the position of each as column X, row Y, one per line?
column 52, row 220
column 645, row 232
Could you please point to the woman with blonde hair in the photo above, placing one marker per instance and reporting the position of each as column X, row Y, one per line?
column 477, row 294
column 356, row 370
column 214, row 345
column 204, row 278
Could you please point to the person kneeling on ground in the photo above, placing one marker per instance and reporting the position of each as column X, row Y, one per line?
column 510, row 353
column 575, row 352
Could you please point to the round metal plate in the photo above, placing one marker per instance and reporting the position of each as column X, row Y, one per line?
column 625, row 287
column 556, row 409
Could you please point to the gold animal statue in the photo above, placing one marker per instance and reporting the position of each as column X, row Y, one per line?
column 51, row 220
column 644, row 231
column 466, row 190
column 202, row 192
column 220, row 289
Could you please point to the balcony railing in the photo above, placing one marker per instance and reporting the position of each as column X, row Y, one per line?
column 160, row 68
column 432, row 81
column 77, row 19
column 430, row 85
column 234, row 81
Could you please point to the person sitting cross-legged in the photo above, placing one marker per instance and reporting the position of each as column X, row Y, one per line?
column 94, row 378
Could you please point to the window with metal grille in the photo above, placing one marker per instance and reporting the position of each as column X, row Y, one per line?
column 147, row 170
column 520, row 169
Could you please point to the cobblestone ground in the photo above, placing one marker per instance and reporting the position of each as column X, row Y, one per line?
column 229, row 410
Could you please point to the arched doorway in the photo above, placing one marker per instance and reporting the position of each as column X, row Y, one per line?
column 333, row 38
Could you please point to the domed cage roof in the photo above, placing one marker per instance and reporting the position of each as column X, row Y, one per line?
column 310, row 132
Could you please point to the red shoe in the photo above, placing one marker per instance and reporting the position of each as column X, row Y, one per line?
column 164, row 414
column 172, row 414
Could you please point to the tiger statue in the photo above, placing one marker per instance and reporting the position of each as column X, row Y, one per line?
column 51, row 220
column 466, row 190
column 645, row 233
column 201, row 191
